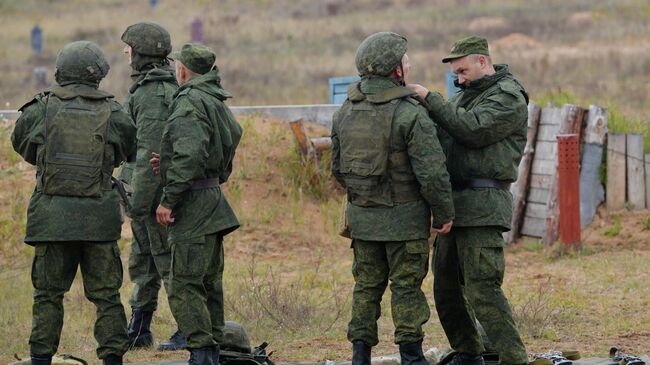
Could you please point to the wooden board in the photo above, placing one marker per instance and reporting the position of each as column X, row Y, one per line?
column 533, row 227
column 647, row 180
column 537, row 195
column 540, row 181
column 635, row 172
column 543, row 167
column 616, row 171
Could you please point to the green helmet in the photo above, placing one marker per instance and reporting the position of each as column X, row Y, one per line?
column 235, row 338
column 148, row 38
column 380, row 54
column 81, row 61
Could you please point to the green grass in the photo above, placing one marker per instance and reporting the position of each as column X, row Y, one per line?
column 615, row 229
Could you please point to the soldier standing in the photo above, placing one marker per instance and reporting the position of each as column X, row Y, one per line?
column 154, row 84
column 198, row 147
column 386, row 154
column 75, row 134
column 483, row 132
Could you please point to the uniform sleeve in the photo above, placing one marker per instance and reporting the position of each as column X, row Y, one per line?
column 121, row 133
column 492, row 120
column 189, row 133
column 428, row 163
column 336, row 152
column 28, row 132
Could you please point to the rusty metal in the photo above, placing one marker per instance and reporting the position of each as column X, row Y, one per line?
column 569, row 188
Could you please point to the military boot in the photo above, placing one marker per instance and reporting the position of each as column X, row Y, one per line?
column 178, row 341
column 463, row 358
column 201, row 356
column 360, row 353
column 112, row 360
column 41, row 360
column 411, row 354
column 140, row 335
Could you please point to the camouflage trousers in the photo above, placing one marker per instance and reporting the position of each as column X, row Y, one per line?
column 53, row 271
column 404, row 264
column 196, row 290
column 149, row 263
column 468, row 268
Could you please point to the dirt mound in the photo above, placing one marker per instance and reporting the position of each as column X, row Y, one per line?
column 516, row 41
column 624, row 230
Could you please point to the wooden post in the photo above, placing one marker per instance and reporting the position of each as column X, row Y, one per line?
column 615, row 172
column 322, row 143
column 647, row 180
column 519, row 189
column 568, row 146
column 635, row 172
column 571, row 123
column 592, row 192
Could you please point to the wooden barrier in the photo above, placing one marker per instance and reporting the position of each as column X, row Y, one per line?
column 615, row 171
column 635, row 172
column 647, row 180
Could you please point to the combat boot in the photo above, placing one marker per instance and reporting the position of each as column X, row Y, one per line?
column 112, row 360
column 178, row 341
column 360, row 353
column 411, row 354
column 41, row 360
column 463, row 358
column 140, row 335
column 201, row 356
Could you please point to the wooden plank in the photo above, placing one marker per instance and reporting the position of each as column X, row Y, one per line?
column 615, row 172
column 571, row 118
column 540, row 181
column 548, row 132
column 550, row 116
column 647, row 180
column 592, row 192
column 546, row 150
column 537, row 195
column 533, row 227
column 519, row 189
column 536, row 210
column 635, row 172
column 543, row 167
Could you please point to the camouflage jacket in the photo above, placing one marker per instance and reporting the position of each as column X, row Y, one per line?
column 198, row 142
column 483, row 132
column 148, row 104
column 412, row 131
column 52, row 218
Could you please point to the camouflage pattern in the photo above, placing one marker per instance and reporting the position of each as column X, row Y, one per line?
column 80, row 62
column 474, row 256
column 196, row 290
column 390, row 241
column 380, row 54
column 404, row 264
column 148, row 38
column 235, row 338
column 468, row 46
column 198, row 142
column 196, row 57
column 54, row 268
column 483, row 132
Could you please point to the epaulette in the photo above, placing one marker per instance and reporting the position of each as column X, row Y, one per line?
column 38, row 97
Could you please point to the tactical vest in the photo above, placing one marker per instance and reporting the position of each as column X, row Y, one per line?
column 75, row 147
column 375, row 175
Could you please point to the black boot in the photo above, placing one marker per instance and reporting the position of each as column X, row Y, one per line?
column 41, row 360
column 411, row 354
column 112, row 360
column 463, row 358
column 178, row 341
column 360, row 353
column 201, row 356
column 140, row 335
column 215, row 355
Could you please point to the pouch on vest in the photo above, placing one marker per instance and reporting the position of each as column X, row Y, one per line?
column 76, row 132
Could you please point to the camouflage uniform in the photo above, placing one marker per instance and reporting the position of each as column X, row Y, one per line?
column 198, row 147
column 150, row 96
column 387, row 156
column 70, row 230
column 483, row 132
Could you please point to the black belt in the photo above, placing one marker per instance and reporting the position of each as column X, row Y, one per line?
column 480, row 183
column 205, row 184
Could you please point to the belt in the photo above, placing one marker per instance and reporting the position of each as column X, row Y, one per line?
column 205, row 183
column 480, row 183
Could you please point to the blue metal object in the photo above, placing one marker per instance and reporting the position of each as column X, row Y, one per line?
column 153, row 3
column 451, row 87
column 37, row 40
column 339, row 88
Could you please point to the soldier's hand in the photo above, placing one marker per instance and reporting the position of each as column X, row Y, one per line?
column 445, row 228
column 155, row 163
column 164, row 216
column 419, row 89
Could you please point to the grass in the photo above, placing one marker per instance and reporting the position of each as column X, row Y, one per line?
column 615, row 229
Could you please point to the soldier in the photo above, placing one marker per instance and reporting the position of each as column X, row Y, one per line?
column 198, row 146
column 387, row 156
column 154, row 84
column 483, row 132
column 75, row 134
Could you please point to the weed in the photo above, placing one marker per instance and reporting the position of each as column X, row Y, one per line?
column 615, row 229
column 538, row 312
column 646, row 223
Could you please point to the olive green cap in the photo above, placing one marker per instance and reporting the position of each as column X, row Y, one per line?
column 468, row 46
column 196, row 57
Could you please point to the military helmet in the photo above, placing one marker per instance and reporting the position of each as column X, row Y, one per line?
column 81, row 61
column 380, row 53
column 235, row 338
column 148, row 38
